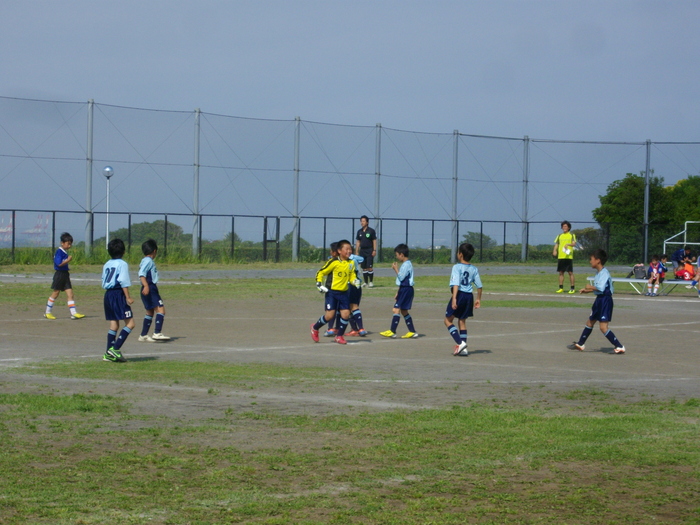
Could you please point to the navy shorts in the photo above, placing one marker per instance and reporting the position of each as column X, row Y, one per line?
column 116, row 307
column 61, row 281
column 336, row 300
column 152, row 300
column 369, row 259
column 465, row 306
column 355, row 295
column 602, row 309
column 404, row 299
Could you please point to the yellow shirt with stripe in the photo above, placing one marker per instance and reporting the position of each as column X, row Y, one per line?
column 562, row 240
column 338, row 274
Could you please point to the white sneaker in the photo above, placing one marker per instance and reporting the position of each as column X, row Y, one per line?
column 146, row 339
column 371, row 285
column 160, row 337
column 461, row 349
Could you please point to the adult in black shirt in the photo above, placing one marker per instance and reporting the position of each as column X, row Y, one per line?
column 366, row 246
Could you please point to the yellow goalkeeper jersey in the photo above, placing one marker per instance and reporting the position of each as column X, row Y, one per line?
column 338, row 274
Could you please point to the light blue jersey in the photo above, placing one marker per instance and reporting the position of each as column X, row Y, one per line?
column 405, row 275
column 115, row 274
column 357, row 261
column 464, row 276
column 148, row 269
column 603, row 283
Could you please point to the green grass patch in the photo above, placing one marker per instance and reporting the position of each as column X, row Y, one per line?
column 92, row 459
column 185, row 372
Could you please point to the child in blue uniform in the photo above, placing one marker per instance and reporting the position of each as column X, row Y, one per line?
column 465, row 277
column 150, row 296
column 61, row 278
column 404, row 295
column 602, row 309
column 117, row 301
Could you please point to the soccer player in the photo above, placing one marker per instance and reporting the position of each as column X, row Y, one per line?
column 356, row 322
column 465, row 276
column 366, row 246
column 150, row 296
column 602, row 309
column 564, row 252
column 61, row 278
column 341, row 272
column 654, row 272
column 117, row 301
column 404, row 295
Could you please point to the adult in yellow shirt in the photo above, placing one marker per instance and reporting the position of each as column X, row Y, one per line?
column 564, row 252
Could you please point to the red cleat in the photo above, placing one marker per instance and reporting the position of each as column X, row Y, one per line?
column 353, row 333
column 314, row 334
column 340, row 340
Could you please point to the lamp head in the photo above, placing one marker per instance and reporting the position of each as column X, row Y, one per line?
column 108, row 172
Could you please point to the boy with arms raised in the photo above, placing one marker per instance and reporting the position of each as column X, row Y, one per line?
column 404, row 295
column 602, row 309
column 117, row 301
column 464, row 278
column 340, row 272
column 152, row 302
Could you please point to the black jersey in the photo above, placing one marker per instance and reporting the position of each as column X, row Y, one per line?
column 366, row 238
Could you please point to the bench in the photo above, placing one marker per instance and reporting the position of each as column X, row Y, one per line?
column 640, row 285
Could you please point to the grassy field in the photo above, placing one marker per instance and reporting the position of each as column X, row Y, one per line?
column 580, row 455
column 87, row 459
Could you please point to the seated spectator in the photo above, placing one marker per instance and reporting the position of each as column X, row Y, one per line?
column 654, row 273
column 685, row 272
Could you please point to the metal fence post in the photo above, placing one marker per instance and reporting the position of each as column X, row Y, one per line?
column 89, row 228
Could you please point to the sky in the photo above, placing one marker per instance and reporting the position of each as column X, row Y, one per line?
column 565, row 69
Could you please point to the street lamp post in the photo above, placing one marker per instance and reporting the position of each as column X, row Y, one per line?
column 107, row 172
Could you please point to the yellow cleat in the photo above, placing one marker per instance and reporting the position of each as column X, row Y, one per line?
column 560, row 290
column 77, row 316
column 572, row 291
column 388, row 333
column 50, row 316
column 409, row 335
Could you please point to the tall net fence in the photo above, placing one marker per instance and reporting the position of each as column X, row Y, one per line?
column 247, row 188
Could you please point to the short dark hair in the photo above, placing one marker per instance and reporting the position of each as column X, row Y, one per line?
column 600, row 254
column 116, row 248
column 342, row 243
column 664, row 256
column 66, row 237
column 567, row 223
column 149, row 246
column 334, row 247
column 402, row 249
column 365, row 218
column 467, row 251
column 655, row 258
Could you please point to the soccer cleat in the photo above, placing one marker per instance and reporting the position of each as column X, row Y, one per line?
column 689, row 286
column 371, row 285
column 340, row 340
column 363, row 332
column 113, row 355
column 620, row 350
column 409, row 335
column 146, row 339
column 648, row 294
column 331, row 332
column 353, row 333
column 560, row 290
column 50, row 316
column 160, row 337
column 572, row 291
column 314, row 334
column 461, row 349
column 388, row 333
column 76, row 315
column 576, row 346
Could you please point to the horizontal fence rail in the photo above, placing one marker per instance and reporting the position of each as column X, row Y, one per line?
column 24, row 233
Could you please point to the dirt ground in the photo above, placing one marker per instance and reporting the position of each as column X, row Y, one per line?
column 517, row 355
